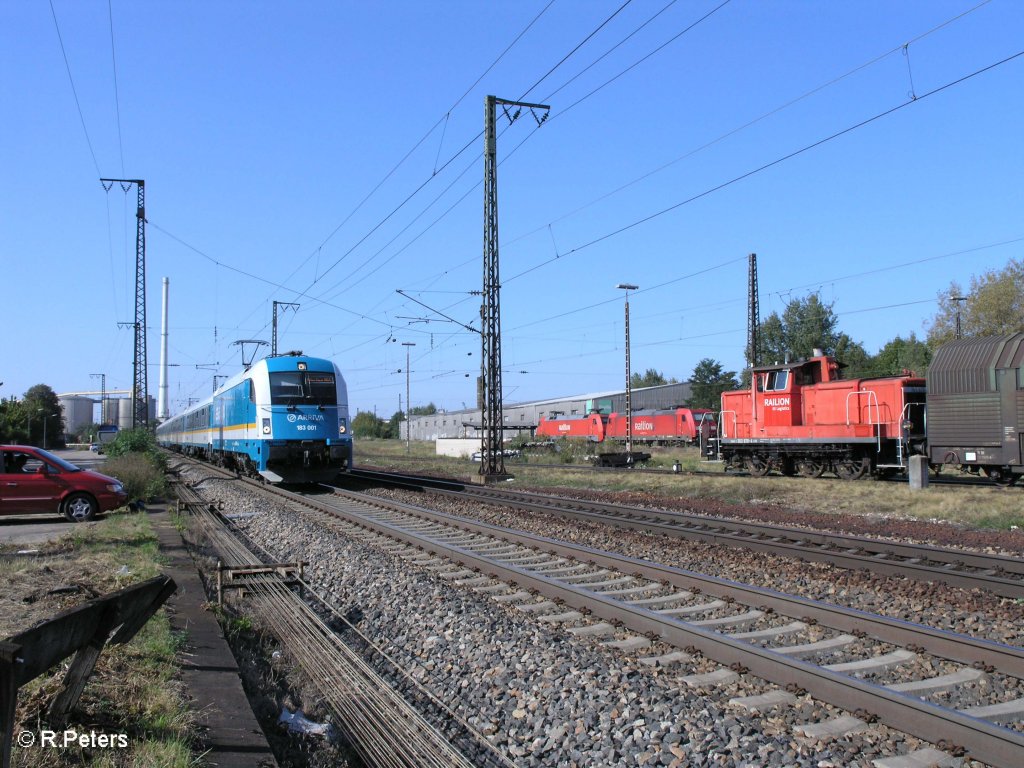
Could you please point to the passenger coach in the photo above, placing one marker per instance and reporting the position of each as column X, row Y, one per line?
column 285, row 419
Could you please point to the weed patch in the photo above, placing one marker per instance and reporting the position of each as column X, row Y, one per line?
column 135, row 688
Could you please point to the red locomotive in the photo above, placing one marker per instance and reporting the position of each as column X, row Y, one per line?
column 801, row 418
column 675, row 425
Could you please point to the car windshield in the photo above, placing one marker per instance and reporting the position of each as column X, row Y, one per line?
column 67, row 466
column 302, row 387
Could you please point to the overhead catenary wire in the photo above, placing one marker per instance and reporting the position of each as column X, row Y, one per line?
column 720, row 138
column 442, row 120
column 468, row 144
column 74, row 91
column 117, row 96
column 762, row 168
column 775, row 162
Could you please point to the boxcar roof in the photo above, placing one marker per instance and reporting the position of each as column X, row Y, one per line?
column 969, row 365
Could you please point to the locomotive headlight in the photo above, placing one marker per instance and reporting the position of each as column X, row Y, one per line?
column 266, row 426
column 342, row 426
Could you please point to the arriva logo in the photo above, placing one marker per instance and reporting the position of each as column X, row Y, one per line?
column 777, row 402
column 293, row 417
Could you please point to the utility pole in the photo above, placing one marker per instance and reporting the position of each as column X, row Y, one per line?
column 958, row 300
column 103, row 395
column 408, row 415
column 492, row 463
column 627, row 287
column 140, row 387
column 46, row 418
column 162, row 405
column 273, row 339
column 753, row 315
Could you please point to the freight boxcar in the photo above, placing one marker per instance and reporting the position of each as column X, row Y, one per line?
column 976, row 406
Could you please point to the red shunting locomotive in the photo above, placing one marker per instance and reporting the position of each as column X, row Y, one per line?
column 802, row 419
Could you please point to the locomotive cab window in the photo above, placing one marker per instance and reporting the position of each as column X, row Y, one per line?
column 776, row 380
column 302, row 388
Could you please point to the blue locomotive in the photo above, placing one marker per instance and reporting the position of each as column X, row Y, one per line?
column 285, row 419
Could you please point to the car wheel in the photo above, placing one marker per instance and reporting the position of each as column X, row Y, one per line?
column 80, row 507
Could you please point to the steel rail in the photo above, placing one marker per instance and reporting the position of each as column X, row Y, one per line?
column 983, row 740
column 843, row 550
column 948, row 645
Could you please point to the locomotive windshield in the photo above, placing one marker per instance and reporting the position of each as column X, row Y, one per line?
column 302, row 388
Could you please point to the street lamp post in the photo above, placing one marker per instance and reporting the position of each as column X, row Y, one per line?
column 627, row 287
column 29, row 438
column 46, row 419
column 408, row 408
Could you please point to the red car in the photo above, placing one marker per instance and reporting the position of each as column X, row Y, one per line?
column 33, row 480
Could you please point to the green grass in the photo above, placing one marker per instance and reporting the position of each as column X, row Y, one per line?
column 987, row 507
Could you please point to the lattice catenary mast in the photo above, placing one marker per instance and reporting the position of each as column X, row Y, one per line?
column 140, row 387
column 753, row 315
column 284, row 305
column 492, row 459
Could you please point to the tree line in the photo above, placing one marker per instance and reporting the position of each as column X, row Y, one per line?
column 33, row 420
column 992, row 306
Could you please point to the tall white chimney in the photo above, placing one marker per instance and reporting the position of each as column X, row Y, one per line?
column 162, row 409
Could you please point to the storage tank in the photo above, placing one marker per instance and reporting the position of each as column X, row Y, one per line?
column 124, row 413
column 77, row 410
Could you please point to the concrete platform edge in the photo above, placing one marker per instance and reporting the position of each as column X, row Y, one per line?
column 230, row 735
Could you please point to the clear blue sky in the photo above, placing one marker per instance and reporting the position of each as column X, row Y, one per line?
column 310, row 152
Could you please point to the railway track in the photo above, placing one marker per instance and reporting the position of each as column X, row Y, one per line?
column 731, row 623
column 954, row 478
column 667, row 615
column 378, row 724
column 999, row 574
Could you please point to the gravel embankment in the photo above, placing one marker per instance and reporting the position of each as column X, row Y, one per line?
column 546, row 698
